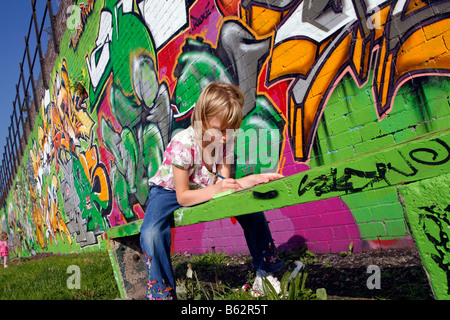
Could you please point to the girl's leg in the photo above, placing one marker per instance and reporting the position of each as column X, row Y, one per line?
column 260, row 243
column 5, row 260
column 155, row 243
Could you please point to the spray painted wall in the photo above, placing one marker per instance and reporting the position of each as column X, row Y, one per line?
column 335, row 79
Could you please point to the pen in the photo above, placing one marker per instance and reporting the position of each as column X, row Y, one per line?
column 221, row 177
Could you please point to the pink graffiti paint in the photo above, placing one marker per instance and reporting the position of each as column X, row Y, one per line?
column 207, row 27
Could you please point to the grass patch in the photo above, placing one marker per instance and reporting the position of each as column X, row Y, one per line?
column 47, row 278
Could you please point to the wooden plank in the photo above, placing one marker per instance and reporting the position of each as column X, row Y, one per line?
column 413, row 160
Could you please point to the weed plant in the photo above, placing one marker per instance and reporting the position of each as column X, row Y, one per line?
column 189, row 287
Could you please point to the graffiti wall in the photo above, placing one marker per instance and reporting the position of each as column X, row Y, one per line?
column 332, row 79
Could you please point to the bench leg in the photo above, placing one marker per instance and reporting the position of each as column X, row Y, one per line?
column 129, row 267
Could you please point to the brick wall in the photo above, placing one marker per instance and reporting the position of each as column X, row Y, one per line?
column 356, row 78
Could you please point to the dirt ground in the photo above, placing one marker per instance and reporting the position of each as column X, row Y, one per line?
column 38, row 256
column 402, row 275
column 343, row 275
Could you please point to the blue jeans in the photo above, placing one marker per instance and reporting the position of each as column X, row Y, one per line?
column 156, row 240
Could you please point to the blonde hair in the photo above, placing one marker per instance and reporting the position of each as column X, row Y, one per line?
column 4, row 236
column 218, row 99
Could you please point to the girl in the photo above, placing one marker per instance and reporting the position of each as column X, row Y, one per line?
column 4, row 248
column 189, row 175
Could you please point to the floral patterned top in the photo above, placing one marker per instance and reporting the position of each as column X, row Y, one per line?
column 185, row 152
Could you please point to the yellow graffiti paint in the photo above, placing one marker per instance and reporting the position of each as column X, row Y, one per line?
column 292, row 57
column 417, row 52
column 263, row 21
column 357, row 54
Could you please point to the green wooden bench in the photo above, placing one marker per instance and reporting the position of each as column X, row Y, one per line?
column 421, row 158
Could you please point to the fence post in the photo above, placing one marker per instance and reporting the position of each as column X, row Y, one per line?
column 2, row 181
column 11, row 158
column 8, row 164
column 33, row 85
column 19, row 138
column 52, row 24
column 27, row 97
column 38, row 39
column 15, row 115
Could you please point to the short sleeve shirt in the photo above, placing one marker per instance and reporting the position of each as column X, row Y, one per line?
column 3, row 248
column 185, row 152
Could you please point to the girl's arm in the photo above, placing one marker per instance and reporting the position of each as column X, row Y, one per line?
column 255, row 179
column 224, row 169
column 248, row 181
column 187, row 197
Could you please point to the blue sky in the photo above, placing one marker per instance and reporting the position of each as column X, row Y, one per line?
column 14, row 25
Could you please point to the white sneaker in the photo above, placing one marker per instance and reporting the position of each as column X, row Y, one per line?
column 257, row 289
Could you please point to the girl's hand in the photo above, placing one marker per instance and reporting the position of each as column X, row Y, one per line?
column 266, row 177
column 255, row 179
column 227, row 184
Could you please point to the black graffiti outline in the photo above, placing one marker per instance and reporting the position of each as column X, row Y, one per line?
column 327, row 183
column 433, row 152
column 342, row 183
column 265, row 195
column 443, row 242
column 206, row 12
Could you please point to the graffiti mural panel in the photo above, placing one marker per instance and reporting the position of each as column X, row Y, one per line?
column 324, row 81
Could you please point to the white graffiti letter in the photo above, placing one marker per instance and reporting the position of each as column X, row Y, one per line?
column 97, row 66
column 304, row 21
column 163, row 18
